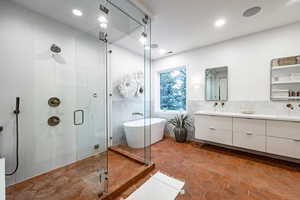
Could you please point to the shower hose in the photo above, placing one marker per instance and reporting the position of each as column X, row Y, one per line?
column 17, row 146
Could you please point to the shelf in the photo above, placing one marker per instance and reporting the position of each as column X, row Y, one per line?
column 286, row 67
column 286, row 98
column 285, row 82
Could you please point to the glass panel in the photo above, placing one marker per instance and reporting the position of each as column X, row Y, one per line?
column 147, row 105
column 90, row 107
column 129, row 9
column 129, row 69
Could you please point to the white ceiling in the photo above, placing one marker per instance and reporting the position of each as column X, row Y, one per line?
column 183, row 25
column 177, row 25
column 119, row 27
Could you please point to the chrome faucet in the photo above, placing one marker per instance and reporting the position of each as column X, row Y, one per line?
column 138, row 113
column 215, row 104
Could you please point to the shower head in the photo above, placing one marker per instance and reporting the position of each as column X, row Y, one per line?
column 55, row 49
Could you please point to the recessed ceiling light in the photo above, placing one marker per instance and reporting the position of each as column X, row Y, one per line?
column 103, row 25
column 77, row 12
column 162, row 51
column 252, row 11
column 220, row 23
column 102, row 19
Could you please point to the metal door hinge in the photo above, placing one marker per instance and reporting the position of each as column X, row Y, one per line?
column 103, row 175
column 104, row 9
column 103, row 36
column 145, row 19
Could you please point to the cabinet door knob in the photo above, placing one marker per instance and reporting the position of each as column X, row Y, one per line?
column 249, row 133
column 212, row 128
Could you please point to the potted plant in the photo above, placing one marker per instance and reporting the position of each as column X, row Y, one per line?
column 181, row 124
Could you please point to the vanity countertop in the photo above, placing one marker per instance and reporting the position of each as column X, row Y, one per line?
column 250, row 116
column 2, row 179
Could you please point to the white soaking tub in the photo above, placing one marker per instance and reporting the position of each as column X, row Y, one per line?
column 134, row 131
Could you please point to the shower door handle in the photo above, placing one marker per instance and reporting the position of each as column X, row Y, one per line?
column 82, row 117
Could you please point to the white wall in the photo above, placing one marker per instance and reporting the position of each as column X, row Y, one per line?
column 248, row 59
column 29, row 71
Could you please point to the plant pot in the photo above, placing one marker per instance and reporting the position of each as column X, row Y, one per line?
column 180, row 134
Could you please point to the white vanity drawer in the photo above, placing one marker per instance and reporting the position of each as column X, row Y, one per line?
column 222, row 137
column 249, row 141
column 283, row 147
column 283, row 129
column 214, row 122
column 214, row 129
column 249, row 126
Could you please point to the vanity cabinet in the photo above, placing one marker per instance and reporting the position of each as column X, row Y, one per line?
column 283, row 138
column 249, row 134
column 214, row 129
column 263, row 135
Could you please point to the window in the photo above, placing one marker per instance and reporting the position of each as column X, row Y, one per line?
column 173, row 90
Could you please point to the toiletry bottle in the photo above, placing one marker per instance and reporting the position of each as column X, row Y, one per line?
column 293, row 93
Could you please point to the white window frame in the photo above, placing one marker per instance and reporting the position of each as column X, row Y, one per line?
column 157, row 89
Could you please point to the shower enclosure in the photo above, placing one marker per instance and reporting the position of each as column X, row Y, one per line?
column 68, row 71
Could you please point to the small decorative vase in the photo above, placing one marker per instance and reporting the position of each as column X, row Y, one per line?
column 180, row 134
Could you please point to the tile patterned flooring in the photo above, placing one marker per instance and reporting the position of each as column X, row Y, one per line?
column 215, row 173
column 76, row 182
column 210, row 173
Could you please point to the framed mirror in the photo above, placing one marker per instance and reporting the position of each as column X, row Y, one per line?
column 216, row 84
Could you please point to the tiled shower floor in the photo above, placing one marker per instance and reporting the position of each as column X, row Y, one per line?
column 76, row 182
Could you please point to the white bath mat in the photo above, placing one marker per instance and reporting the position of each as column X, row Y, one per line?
column 158, row 187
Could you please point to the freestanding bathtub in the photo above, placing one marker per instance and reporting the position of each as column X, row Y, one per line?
column 134, row 131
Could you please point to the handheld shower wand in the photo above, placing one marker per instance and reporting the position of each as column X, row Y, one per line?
column 16, row 112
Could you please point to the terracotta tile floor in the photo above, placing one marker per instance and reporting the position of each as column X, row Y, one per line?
column 76, row 182
column 210, row 173
column 214, row 173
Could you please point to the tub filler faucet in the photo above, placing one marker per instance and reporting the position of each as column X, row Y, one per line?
column 138, row 113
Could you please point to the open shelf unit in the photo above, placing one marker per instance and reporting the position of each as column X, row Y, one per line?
column 285, row 67
column 285, row 79
column 285, row 82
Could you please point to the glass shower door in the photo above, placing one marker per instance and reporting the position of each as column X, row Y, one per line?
column 89, row 116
